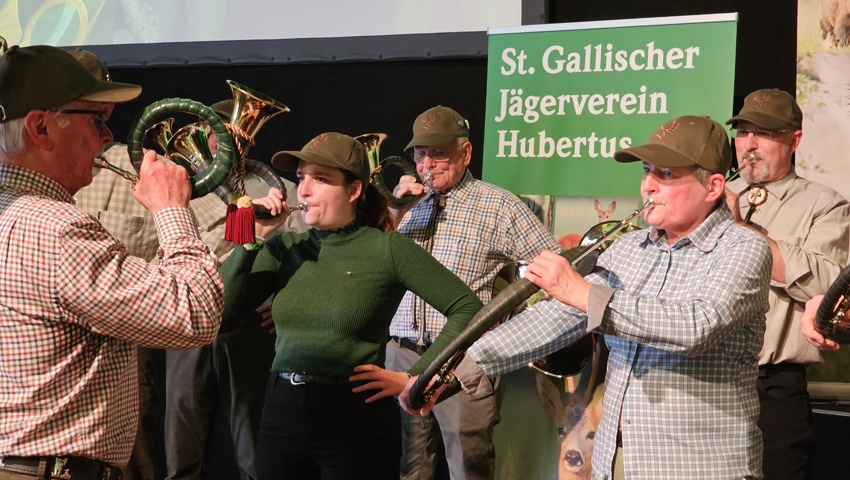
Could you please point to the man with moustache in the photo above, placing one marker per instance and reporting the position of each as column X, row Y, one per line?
column 806, row 225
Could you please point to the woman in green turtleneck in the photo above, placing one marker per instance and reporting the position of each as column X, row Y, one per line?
column 336, row 288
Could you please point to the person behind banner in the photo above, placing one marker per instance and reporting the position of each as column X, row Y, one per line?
column 806, row 225
column 109, row 198
column 227, row 375
column 75, row 305
column 336, row 288
column 682, row 306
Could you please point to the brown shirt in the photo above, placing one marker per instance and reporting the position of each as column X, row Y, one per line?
column 810, row 223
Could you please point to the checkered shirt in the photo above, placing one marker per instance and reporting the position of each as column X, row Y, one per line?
column 481, row 229
column 73, row 308
column 684, row 325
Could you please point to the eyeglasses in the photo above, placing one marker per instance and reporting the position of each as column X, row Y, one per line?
column 437, row 155
column 100, row 116
column 759, row 133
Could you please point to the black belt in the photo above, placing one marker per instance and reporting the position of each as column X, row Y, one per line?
column 784, row 367
column 410, row 345
column 76, row 468
column 303, row 378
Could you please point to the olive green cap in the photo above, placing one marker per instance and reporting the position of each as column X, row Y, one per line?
column 42, row 77
column 328, row 150
column 772, row 109
column 684, row 142
column 92, row 64
column 437, row 126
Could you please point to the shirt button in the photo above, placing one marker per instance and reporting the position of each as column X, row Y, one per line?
column 627, row 422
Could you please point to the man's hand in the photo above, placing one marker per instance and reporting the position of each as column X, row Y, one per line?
column 161, row 184
column 387, row 382
column 427, row 407
column 807, row 324
column 554, row 274
column 407, row 185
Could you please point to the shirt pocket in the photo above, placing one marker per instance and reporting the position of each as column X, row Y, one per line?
column 137, row 233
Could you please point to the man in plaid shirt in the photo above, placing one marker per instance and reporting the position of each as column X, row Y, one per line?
column 474, row 229
column 74, row 305
column 682, row 306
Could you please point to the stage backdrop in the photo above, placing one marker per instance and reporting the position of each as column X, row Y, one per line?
column 823, row 67
column 561, row 99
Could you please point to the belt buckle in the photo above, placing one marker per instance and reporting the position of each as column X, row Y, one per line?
column 108, row 471
column 421, row 347
column 60, row 468
column 293, row 381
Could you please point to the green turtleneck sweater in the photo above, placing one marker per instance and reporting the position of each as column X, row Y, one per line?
column 335, row 293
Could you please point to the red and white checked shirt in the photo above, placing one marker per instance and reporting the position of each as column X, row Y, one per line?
column 74, row 306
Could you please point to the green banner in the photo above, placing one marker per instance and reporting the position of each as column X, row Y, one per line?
column 561, row 99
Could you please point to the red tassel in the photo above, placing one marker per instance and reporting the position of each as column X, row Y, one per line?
column 239, row 223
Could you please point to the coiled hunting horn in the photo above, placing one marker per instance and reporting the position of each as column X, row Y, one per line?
column 372, row 142
column 441, row 370
column 831, row 317
column 251, row 110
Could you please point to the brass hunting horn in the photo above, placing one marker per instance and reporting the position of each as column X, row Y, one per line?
column 188, row 148
column 831, row 317
column 372, row 142
column 251, row 110
column 441, row 370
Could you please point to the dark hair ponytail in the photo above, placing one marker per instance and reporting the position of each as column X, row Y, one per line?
column 372, row 208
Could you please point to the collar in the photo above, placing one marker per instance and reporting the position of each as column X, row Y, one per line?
column 705, row 236
column 30, row 182
column 336, row 232
column 778, row 189
column 462, row 191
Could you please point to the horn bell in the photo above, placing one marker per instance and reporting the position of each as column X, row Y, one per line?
column 252, row 109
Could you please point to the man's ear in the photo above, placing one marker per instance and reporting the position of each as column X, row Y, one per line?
column 37, row 129
column 795, row 141
column 467, row 152
column 716, row 187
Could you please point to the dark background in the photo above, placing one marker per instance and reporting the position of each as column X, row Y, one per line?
column 387, row 95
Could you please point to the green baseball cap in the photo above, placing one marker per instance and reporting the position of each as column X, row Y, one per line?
column 42, row 77
column 684, row 142
column 224, row 109
column 772, row 109
column 92, row 64
column 437, row 126
column 328, row 150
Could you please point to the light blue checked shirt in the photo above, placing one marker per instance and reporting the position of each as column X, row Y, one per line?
column 480, row 230
column 684, row 324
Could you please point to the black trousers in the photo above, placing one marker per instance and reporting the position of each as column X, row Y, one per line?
column 229, row 374
column 316, row 431
column 785, row 421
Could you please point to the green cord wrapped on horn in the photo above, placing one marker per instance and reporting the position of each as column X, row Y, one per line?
column 210, row 178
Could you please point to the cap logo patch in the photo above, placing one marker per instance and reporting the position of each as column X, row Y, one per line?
column 663, row 130
column 316, row 141
column 759, row 101
column 427, row 121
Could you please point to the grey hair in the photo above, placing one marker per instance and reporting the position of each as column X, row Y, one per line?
column 702, row 175
column 12, row 132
